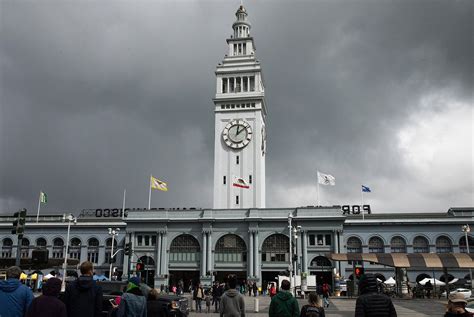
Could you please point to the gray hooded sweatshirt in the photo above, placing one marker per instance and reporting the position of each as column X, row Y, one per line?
column 232, row 304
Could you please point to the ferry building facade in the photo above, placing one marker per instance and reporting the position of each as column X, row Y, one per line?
column 239, row 235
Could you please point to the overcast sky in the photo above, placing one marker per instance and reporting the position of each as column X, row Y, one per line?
column 96, row 95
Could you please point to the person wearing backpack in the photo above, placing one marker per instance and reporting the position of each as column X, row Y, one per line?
column 326, row 291
column 313, row 309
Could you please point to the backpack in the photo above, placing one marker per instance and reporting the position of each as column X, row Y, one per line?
column 312, row 311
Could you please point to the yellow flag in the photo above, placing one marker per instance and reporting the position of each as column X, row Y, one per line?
column 155, row 183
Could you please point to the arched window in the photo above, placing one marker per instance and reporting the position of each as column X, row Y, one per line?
column 7, row 245
column 354, row 245
column 276, row 248
column 376, row 245
column 75, row 248
column 443, row 245
column 398, row 245
column 93, row 250
column 58, row 248
column 25, row 248
column 463, row 247
column 148, row 262
column 420, row 245
column 321, row 262
column 231, row 248
column 184, row 248
column 41, row 243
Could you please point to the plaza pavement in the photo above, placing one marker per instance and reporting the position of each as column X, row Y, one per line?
column 344, row 307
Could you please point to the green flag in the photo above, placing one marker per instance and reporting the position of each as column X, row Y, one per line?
column 43, row 198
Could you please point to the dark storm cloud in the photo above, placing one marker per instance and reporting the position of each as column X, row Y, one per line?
column 97, row 95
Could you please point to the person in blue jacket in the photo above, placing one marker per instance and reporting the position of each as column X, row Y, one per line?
column 15, row 298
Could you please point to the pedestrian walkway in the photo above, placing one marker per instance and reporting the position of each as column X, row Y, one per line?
column 345, row 307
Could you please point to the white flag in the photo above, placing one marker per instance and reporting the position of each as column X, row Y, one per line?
column 326, row 179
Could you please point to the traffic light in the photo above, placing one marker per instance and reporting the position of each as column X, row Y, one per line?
column 19, row 222
column 127, row 250
column 359, row 271
column 139, row 267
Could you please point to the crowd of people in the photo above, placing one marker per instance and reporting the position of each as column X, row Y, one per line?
column 83, row 298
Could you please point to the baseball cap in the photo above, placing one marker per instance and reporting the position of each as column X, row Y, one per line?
column 457, row 298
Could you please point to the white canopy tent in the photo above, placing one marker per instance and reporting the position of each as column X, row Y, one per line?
column 433, row 282
column 390, row 281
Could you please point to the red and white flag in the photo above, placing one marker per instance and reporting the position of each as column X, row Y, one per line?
column 240, row 182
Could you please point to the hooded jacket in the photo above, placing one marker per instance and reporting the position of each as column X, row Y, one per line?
column 48, row 304
column 284, row 304
column 83, row 298
column 133, row 303
column 370, row 303
column 232, row 304
column 15, row 298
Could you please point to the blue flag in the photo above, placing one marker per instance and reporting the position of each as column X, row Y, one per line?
column 365, row 189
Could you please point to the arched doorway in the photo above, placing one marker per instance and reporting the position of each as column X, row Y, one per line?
column 147, row 276
column 321, row 266
column 275, row 257
column 230, row 257
column 184, row 261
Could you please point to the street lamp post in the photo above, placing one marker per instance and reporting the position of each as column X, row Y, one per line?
column 70, row 218
column 113, row 233
column 466, row 229
column 296, row 230
column 290, row 266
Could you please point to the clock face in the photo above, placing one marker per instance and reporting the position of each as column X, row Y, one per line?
column 237, row 134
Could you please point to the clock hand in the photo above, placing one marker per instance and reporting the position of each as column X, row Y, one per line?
column 238, row 130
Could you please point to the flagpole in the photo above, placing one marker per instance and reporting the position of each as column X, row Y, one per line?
column 362, row 201
column 149, row 194
column 39, row 207
column 317, row 194
column 123, row 204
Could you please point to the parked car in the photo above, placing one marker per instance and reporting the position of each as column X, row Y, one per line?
column 466, row 292
column 174, row 305
column 470, row 305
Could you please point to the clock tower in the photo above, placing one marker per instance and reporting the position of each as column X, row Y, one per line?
column 240, row 111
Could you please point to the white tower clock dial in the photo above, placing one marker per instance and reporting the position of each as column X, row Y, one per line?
column 237, row 134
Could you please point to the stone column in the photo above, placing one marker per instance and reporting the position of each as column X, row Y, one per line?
column 251, row 254
column 209, row 252
column 304, row 267
column 204, row 254
column 164, row 255
column 256, row 261
column 158, row 255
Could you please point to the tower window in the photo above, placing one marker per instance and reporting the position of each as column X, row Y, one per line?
column 224, row 180
column 235, row 49
column 252, row 83
column 237, row 84
column 245, row 84
column 250, row 179
column 244, row 48
column 231, row 84
column 237, row 199
column 224, row 85
column 237, row 160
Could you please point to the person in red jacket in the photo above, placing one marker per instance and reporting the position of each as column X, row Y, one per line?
column 48, row 304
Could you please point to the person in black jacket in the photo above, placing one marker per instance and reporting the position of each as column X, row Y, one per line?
column 314, row 309
column 153, row 306
column 48, row 304
column 370, row 303
column 83, row 297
